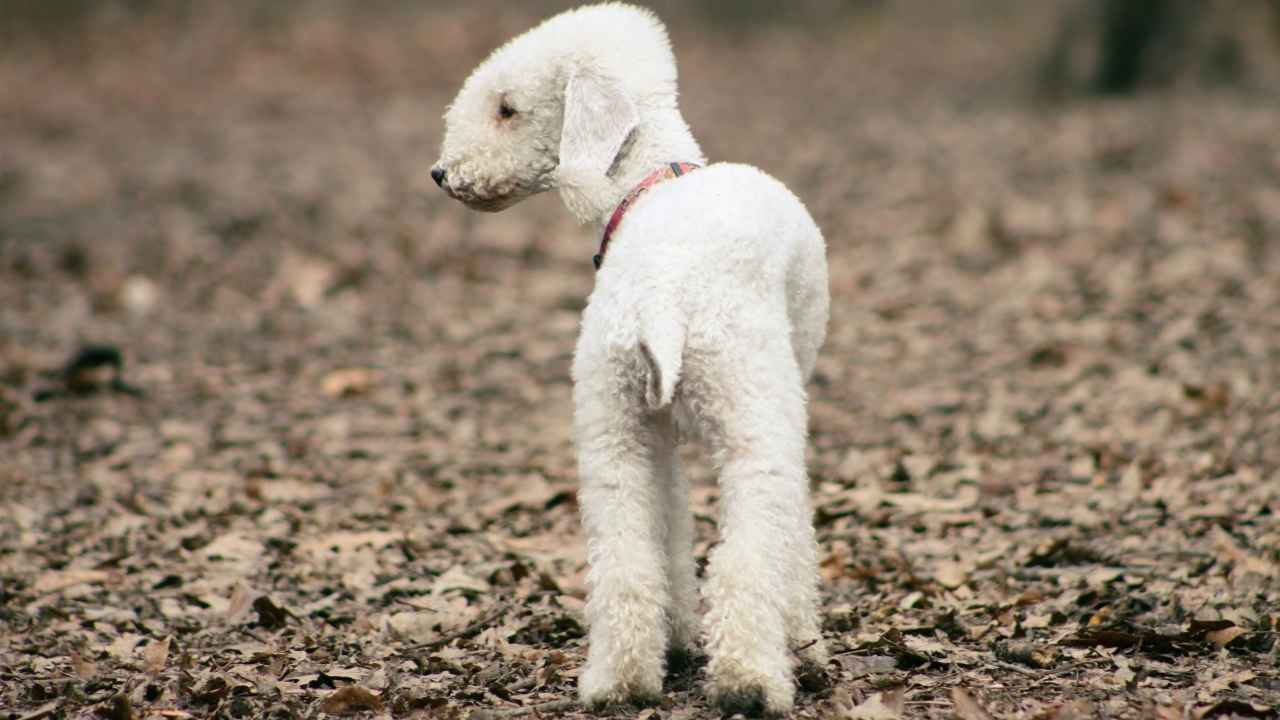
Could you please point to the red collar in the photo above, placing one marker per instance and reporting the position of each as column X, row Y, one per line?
column 666, row 172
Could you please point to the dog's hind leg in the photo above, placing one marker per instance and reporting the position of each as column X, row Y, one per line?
column 682, row 581
column 765, row 521
column 620, row 453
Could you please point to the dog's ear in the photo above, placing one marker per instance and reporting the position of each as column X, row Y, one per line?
column 598, row 119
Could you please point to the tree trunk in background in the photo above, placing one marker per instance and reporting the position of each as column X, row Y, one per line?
column 1120, row 47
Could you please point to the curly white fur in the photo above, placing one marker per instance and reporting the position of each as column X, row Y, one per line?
column 707, row 317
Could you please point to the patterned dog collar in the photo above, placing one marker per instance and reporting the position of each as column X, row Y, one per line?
column 666, row 172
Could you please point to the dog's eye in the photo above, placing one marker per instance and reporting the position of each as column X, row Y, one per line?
column 505, row 111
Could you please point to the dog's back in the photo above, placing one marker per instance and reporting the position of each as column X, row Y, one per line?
column 713, row 258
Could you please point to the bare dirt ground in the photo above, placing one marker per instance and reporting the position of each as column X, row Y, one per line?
column 334, row 475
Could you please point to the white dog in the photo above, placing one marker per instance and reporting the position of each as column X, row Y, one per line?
column 707, row 314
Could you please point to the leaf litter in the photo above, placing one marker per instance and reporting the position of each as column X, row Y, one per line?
column 1046, row 428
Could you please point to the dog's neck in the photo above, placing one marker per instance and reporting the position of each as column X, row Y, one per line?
column 661, row 137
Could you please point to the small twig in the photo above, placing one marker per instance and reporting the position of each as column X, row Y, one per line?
column 521, row 685
column 466, row 632
column 1058, row 672
column 806, row 646
column 43, row 710
column 553, row 706
column 1148, row 573
column 1018, row 669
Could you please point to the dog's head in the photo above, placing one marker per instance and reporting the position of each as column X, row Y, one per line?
column 501, row 135
column 554, row 107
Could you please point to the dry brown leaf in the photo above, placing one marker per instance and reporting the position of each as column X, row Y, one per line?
column 55, row 580
column 42, row 711
column 83, row 666
column 951, row 574
column 1072, row 710
column 1037, row 621
column 456, row 578
column 155, row 655
column 342, row 542
column 885, row 705
column 270, row 615
column 348, row 382
column 1225, row 682
column 350, row 700
column 1029, row 597
column 966, row 708
column 124, row 646
column 119, row 708
column 835, row 565
column 1245, row 562
column 1225, row 636
column 1235, row 708
column 240, row 601
column 1029, row 654
column 306, row 278
column 868, row 498
column 442, row 617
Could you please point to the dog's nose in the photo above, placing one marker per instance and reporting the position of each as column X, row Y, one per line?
column 437, row 174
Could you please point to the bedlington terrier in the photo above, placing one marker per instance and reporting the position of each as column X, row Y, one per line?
column 707, row 315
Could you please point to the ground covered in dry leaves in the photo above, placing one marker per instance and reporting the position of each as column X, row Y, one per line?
column 331, row 473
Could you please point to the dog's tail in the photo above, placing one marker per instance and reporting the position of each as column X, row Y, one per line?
column 662, row 338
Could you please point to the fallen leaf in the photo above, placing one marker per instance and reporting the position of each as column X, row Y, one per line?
column 1225, row 682
column 1225, row 636
column 119, row 708
column 338, row 543
column 457, row 579
column 42, row 711
column 1073, row 710
column 270, row 615
column 966, row 707
column 124, row 646
column 347, row 382
column 83, row 667
column 860, row 665
column 350, row 700
column 1236, row 708
column 307, row 279
column 1037, row 621
column 950, row 574
column 875, row 707
column 155, row 655
column 55, row 580
column 1029, row 654
column 1123, row 675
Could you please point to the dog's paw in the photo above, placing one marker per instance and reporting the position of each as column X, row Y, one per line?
column 811, row 672
column 751, row 694
column 813, row 678
column 684, row 660
column 599, row 688
column 751, row 701
column 747, row 701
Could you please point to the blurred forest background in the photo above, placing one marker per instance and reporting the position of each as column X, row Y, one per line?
column 286, row 432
